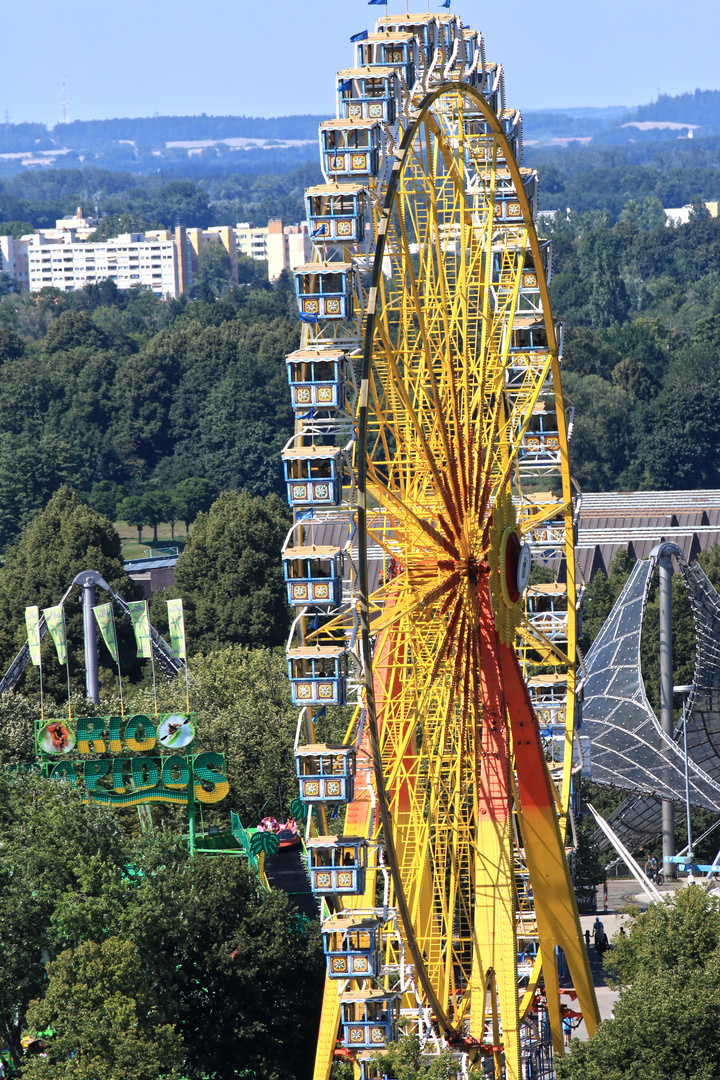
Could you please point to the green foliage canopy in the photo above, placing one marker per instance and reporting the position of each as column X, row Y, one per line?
column 665, row 1022
column 230, row 573
column 103, row 1011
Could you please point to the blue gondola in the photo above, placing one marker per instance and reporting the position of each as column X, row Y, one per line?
column 318, row 674
column 352, row 945
column 338, row 865
column 369, row 93
column 337, row 213
column 326, row 773
column 325, row 291
column 313, row 575
column 397, row 50
column 317, row 378
column 351, row 148
column 369, row 1018
column 313, row 475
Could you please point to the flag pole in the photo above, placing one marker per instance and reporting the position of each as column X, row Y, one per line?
column 42, row 700
column 152, row 656
column 67, row 660
column 117, row 650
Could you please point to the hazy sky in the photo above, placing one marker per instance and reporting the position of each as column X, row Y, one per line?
column 275, row 57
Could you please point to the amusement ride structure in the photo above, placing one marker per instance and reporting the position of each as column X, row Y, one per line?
column 428, row 464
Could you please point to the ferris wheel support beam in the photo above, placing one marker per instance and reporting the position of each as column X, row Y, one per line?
column 555, row 905
column 495, row 955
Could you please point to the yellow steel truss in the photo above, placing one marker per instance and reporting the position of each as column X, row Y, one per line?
column 447, row 396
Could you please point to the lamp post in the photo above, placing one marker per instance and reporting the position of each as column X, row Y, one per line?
column 685, row 690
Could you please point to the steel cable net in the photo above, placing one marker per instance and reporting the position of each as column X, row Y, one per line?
column 703, row 725
column 629, row 748
column 636, row 821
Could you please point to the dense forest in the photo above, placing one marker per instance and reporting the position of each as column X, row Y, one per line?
column 585, row 179
column 102, row 386
column 642, row 351
column 123, row 388
column 34, row 200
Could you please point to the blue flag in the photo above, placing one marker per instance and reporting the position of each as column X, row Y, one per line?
column 359, row 37
column 446, row 4
column 345, row 85
column 321, row 231
column 371, row 2
column 308, row 318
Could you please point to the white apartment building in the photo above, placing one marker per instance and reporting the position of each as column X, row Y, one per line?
column 287, row 247
column 68, row 258
column 130, row 259
column 251, row 241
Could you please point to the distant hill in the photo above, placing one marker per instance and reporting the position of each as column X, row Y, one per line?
column 211, row 146
column 693, row 115
column 701, row 107
column 175, row 145
column 557, row 126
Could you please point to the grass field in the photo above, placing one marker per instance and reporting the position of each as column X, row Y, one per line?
column 131, row 549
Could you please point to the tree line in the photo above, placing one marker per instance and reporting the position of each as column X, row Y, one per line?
column 641, row 363
column 115, row 392
column 33, row 200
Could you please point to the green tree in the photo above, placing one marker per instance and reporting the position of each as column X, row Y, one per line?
column 682, row 446
column 647, row 215
column 601, row 594
column 665, row 1022
column 404, row 1060
column 634, row 379
column 608, row 298
column 105, row 497
column 230, row 573
column 222, row 960
column 72, row 329
column 35, row 871
column 115, row 224
column 193, row 496
column 156, row 508
column 214, row 271
column 64, row 539
column 105, row 1016
column 12, row 347
column 707, row 334
column 134, row 511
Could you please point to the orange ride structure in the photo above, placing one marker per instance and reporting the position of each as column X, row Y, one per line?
column 428, row 472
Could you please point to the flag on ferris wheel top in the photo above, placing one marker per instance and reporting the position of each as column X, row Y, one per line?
column 371, row 2
column 359, row 37
column 446, row 4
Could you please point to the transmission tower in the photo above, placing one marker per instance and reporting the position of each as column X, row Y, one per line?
column 64, row 111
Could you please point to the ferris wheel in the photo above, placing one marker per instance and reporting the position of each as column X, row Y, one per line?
column 429, row 473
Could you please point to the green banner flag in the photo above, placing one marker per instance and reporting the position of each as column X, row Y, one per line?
column 56, row 627
column 177, row 628
column 32, row 622
column 104, row 616
column 141, row 625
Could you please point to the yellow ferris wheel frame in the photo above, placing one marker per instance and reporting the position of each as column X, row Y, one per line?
column 528, row 790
